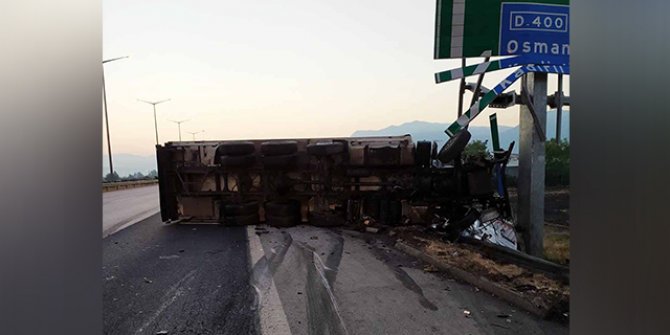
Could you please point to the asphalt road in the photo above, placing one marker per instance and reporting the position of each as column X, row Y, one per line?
column 125, row 207
column 209, row 279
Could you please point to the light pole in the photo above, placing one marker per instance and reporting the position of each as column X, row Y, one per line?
column 194, row 133
column 104, row 99
column 179, row 122
column 154, row 103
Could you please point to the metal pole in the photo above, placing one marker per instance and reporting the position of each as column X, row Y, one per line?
column 530, row 218
column 155, row 124
column 179, row 127
column 461, row 91
column 559, row 108
column 478, row 88
column 109, row 143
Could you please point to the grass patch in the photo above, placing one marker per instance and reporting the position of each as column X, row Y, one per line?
column 557, row 244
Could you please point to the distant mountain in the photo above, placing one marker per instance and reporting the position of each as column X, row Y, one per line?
column 433, row 131
column 125, row 164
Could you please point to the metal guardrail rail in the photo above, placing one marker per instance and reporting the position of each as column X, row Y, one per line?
column 122, row 185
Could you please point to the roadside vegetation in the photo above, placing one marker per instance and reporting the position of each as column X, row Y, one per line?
column 153, row 174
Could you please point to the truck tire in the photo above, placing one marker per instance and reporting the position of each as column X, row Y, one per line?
column 237, row 161
column 245, row 208
column 242, row 220
column 277, row 148
column 422, row 153
column 235, row 148
column 325, row 149
column 282, row 221
column 279, row 160
column 454, row 146
column 283, row 208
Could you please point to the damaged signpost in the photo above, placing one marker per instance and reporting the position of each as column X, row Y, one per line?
column 531, row 34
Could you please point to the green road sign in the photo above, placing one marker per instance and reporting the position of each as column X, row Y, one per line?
column 479, row 28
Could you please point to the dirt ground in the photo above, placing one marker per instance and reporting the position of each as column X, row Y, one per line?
column 557, row 223
column 541, row 290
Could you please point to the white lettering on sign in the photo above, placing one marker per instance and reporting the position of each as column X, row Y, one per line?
column 534, row 29
column 538, row 48
column 512, row 47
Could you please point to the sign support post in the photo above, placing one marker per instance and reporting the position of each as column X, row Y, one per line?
column 530, row 214
column 559, row 108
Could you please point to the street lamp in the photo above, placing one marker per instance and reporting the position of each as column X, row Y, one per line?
column 104, row 99
column 179, row 126
column 154, row 103
column 194, row 133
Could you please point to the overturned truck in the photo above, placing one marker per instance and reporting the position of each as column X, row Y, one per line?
column 327, row 181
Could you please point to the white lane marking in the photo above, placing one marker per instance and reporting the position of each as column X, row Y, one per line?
column 121, row 226
column 271, row 312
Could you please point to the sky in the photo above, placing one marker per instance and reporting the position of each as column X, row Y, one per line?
column 275, row 69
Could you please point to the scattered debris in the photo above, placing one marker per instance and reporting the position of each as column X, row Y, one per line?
column 162, row 332
column 373, row 230
column 147, row 280
column 466, row 313
column 430, row 268
column 533, row 290
column 392, row 233
column 314, row 238
column 503, row 316
column 491, row 227
column 110, row 278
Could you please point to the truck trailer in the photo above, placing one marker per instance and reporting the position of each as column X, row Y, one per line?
column 328, row 181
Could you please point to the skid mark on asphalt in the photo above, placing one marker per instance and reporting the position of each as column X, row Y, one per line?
column 323, row 315
column 174, row 292
column 271, row 314
column 411, row 285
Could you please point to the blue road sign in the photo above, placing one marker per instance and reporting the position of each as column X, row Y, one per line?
column 534, row 29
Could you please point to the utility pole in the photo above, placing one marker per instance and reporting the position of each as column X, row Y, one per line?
column 194, row 133
column 532, row 125
column 559, row 108
column 104, row 99
column 154, row 104
column 179, row 122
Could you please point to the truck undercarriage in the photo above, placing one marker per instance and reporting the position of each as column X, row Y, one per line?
column 329, row 181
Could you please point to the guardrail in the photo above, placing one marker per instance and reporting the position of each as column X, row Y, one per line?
column 122, row 185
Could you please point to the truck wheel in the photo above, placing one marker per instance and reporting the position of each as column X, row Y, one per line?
column 282, row 221
column 235, row 148
column 422, row 153
column 325, row 149
column 245, row 208
column 277, row 148
column 283, row 208
column 279, row 160
column 454, row 146
column 242, row 220
column 237, row 161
